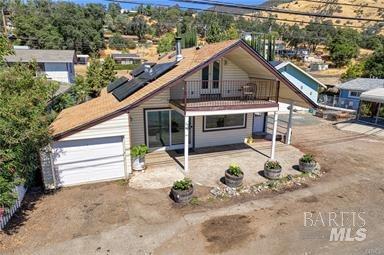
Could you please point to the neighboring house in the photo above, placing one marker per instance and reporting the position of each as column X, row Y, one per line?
column 82, row 59
column 215, row 95
column 350, row 91
column 126, row 58
column 303, row 81
column 57, row 65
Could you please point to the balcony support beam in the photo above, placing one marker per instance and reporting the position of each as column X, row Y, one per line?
column 273, row 147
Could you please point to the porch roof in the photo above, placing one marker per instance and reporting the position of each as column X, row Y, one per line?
column 374, row 95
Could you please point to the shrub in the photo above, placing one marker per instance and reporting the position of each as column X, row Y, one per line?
column 8, row 196
column 139, row 150
column 307, row 158
column 235, row 169
column 272, row 164
column 183, row 184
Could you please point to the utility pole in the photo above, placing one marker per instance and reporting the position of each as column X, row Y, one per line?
column 4, row 21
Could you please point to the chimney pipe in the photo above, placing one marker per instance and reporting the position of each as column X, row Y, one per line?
column 178, row 49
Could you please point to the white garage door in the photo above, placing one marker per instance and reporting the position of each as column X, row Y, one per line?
column 88, row 160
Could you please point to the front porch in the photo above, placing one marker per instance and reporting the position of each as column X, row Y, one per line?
column 207, row 165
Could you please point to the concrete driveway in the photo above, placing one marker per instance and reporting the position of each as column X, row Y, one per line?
column 207, row 165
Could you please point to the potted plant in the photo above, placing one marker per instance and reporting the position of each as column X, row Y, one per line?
column 272, row 169
column 182, row 190
column 307, row 163
column 234, row 176
column 138, row 157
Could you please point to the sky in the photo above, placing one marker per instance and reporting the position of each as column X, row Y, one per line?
column 168, row 2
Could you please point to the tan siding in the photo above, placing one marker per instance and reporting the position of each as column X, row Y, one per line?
column 232, row 71
column 113, row 127
column 161, row 100
column 222, row 137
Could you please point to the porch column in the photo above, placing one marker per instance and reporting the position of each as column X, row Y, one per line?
column 186, row 143
column 275, row 119
column 378, row 113
column 289, row 127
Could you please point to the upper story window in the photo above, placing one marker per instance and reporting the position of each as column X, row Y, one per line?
column 211, row 75
column 354, row 93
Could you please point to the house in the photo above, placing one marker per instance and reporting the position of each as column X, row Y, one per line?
column 82, row 59
column 126, row 58
column 350, row 91
column 57, row 65
column 214, row 95
column 371, row 108
column 303, row 81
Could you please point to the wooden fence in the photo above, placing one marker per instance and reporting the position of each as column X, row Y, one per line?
column 20, row 190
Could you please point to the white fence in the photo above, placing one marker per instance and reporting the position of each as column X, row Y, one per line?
column 20, row 190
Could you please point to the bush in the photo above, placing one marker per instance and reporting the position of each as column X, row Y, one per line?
column 272, row 164
column 184, row 184
column 307, row 158
column 8, row 196
column 139, row 150
column 235, row 169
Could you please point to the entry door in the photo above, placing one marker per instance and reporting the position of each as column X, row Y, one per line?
column 211, row 78
column 165, row 129
column 258, row 123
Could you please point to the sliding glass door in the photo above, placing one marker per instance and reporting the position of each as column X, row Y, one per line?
column 165, row 128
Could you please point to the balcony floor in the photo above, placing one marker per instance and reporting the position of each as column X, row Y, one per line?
column 222, row 104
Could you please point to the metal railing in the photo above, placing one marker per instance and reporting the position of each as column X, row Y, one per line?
column 226, row 92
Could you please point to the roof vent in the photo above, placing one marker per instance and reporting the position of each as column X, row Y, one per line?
column 147, row 68
column 178, row 49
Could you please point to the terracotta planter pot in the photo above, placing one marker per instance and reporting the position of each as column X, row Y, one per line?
column 307, row 167
column 233, row 181
column 272, row 174
column 182, row 196
column 138, row 163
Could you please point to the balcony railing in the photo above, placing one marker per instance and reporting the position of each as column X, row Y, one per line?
column 225, row 93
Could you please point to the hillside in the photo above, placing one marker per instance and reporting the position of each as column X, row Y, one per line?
column 330, row 8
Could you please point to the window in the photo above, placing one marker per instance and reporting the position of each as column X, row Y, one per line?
column 354, row 94
column 222, row 122
column 205, row 77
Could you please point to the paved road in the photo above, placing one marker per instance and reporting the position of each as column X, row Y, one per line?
column 353, row 188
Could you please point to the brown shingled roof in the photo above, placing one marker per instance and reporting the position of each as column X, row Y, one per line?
column 106, row 105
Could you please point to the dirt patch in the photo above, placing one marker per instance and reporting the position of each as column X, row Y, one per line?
column 310, row 199
column 227, row 232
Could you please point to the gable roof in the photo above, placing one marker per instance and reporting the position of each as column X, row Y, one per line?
column 107, row 106
column 279, row 65
column 362, row 84
column 41, row 56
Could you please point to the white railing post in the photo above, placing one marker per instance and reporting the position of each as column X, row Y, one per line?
column 186, row 143
column 289, row 127
column 273, row 148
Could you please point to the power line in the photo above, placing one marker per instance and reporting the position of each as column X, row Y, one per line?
column 346, row 4
column 237, row 14
column 255, row 8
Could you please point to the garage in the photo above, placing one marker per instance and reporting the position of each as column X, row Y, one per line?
column 88, row 160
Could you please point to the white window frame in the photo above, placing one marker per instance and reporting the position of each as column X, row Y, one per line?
column 206, row 129
column 354, row 91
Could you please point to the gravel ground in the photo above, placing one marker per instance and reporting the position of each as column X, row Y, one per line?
column 112, row 218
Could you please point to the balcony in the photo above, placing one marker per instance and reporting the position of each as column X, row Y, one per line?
column 201, row 95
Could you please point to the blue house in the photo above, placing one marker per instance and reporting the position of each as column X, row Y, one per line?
column 309, row 85
column 350, row 91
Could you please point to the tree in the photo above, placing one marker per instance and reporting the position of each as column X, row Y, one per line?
column 5, row 48
column 354, row 71
column 139, row 27
column 117, row 42
column 343, row 46
column 24, row 121
column 214, row 32
column 374, row 66
column 166, row 43
column 108, row 71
